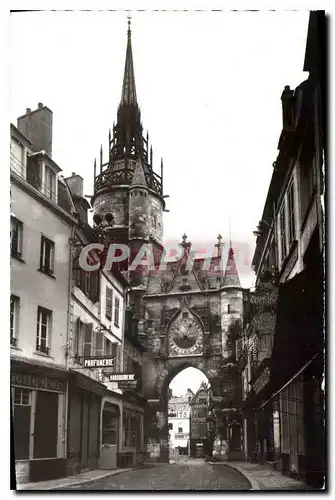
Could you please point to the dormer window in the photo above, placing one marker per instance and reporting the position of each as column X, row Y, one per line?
column 49, row 187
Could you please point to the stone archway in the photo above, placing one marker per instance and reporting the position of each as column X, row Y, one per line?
column 208, row 367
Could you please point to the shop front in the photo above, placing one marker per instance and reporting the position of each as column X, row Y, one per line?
column 132, row 448
column 261, row 424
column 84, row 414
column 38, row 412
column 297, row 383
column 111, row 432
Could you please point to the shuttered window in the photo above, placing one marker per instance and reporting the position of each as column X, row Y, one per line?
column 109, row 302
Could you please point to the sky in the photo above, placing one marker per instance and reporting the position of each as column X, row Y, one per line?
column 190, row 378
column 208, row 85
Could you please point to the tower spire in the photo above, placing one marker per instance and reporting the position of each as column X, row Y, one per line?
column 128, row 95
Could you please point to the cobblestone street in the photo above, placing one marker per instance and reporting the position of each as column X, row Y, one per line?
column 195, row 475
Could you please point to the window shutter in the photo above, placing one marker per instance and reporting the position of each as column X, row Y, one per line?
column 42, row 253
column 109, row 302
column 119, row 357
column 99, row 344
column 108, row 347
column 77, row 342
column 88, row 339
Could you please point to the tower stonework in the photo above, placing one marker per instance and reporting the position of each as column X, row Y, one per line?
column 186, row 318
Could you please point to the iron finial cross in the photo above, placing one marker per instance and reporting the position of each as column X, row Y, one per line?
column 184, row 238
column 219, row 238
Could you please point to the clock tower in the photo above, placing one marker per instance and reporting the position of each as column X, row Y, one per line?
column 185, row 316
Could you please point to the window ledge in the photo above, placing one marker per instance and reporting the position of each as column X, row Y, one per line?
column 43, row 354
column 17, row 257
column 46, row 273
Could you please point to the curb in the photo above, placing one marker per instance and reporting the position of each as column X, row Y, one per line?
column 255, row 485
column 91, row 481
column 77, row 483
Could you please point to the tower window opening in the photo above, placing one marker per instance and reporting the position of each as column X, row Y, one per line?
column 185, row 314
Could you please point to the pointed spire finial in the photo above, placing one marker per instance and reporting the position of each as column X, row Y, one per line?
column 128, row 95
column 129, row 24
column 184, row 238
column 109, row 136
column 95, row 169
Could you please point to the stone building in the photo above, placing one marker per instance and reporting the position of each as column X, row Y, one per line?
column 179, row 424
column 199, row 425
column 184, row 316
column 282, row 358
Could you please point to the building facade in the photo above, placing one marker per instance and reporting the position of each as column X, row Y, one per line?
column 179, row 424
column 199, row 423
column 69, row 415
column 281, row 353
column 42, row 223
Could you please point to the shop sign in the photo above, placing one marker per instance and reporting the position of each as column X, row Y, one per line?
column 217, row 399
column 37, row 382
column 98, row 362
column 127, row 384
column 264, row 323
column 262, row 380
column 118, row 377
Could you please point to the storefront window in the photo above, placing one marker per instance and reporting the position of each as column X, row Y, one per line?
column 22, row 398
column 110, row 422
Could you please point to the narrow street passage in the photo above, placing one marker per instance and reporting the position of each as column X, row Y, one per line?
column 192, row 475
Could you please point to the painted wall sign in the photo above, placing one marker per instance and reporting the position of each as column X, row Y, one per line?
column 98, row 362
column 37, row 382
column 127, row 384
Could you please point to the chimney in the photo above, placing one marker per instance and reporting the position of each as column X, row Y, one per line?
column 37, row 126
column 76, row 185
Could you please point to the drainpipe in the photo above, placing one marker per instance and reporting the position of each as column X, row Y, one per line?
column 66, row 406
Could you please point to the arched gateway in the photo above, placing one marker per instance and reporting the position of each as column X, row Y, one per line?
column 191, row 319
column 187, row 317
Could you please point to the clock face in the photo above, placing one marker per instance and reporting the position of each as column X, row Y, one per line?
column 185, row 335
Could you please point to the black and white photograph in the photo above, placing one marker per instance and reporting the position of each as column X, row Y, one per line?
column 167, row 207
